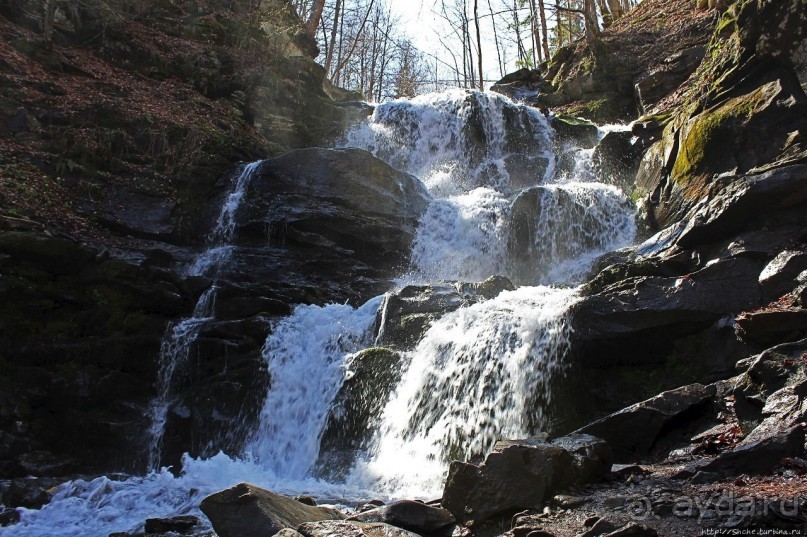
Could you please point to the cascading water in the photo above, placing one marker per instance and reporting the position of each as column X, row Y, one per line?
column 285, row 440
column 479, row 373
column 179, row 338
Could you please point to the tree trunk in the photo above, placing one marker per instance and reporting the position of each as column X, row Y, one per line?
column 47, row 21
column 617, row 9
column 478, row 45
column 496, row 40
column 310, row 26
column 334, row 31
column 591, row 24
column 544, row 30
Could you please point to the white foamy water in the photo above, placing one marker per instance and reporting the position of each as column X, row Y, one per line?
column 286, row 440
column 577, row 223
column 462, row 237
column 459, row 140
column 481, row 373
column 469, row 383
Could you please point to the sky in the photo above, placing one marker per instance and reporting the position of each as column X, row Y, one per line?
column 423, row 25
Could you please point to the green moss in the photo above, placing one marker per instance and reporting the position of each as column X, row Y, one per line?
column 708, row 141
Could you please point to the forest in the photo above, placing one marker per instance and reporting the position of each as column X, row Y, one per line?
column 364, row 48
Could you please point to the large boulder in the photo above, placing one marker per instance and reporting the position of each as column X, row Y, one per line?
column 521, row 474
column 248, row 511
column 639, row 430
column 409, row 515
column 333, row 223
column 406, row 314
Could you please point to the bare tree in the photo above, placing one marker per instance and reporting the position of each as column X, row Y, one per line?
column 311, row 24
column 478, row 45
column 48, row 19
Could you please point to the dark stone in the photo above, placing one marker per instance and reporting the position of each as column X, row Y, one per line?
column 780, row 275
column 521, row 474
column 369, row 506
column 357, row 409
column 45, row 464
column 616, row 159
column 248, row 511
column 337, row 222
column 139, row 214
column 306, row 500
column 28, row 493
column 656, row 85
column 575, row 131
column 183, row 524
column 409, row 515
column 349, row 528
column 9, row 517
column 640, row 303
column 598, row 527
column 639, row 429
column 633, row 530
column 405, row 315
column 699, row 157
column 778, row 324
column 52, row 254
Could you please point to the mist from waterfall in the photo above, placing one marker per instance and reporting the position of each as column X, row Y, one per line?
column 480, row 373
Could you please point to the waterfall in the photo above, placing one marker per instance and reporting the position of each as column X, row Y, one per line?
column 459, row 140
column 179, row 337
column 480, row 373
column 286, row 440
column 468, row 385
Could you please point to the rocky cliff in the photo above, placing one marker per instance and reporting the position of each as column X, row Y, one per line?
column 118, row 142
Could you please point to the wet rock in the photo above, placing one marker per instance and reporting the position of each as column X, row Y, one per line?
column 533, row 252
column 487, row 289
column 338, row 222
column 9, row 517
column 406, row 315
column 369, row 506
column 28, row 493
column 616, row 159
column 331, row 528
column 409, row 515
column 356, row 411
column 245, row 510
column 521, row 474
column 183, row 524
column 576, row 131
column 639, row 429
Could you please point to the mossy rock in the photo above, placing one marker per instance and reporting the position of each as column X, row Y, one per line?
column 575, row 130
column 357, row 409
